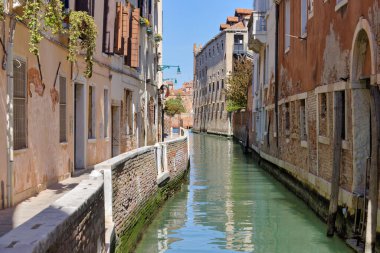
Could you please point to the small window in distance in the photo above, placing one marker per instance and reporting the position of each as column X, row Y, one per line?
column 303, row 131
column 304, row 18
column 106, row 113
column 323, row 109
column 91, row 112
column 221, row 110
column 287, row 119
column 62, row 110
column 310, row 8
column 20, row 115
column 287, row 25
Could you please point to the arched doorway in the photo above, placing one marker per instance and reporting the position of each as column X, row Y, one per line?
column 365, row 118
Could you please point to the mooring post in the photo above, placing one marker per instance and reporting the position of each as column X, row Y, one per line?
column 337, row 155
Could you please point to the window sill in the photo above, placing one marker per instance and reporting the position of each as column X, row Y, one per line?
column 92, row 140
column 340, row 5
column 304, row 35
column 107, row 139
column 20, row 151
column 304, row 144
column 64, row 143
column 287, row 50
column 345, row 145
column 324, row 140
column 287, row 140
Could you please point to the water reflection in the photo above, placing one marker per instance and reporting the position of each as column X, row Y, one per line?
column 231, row 205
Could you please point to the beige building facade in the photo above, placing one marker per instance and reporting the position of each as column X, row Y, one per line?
column 213, row 63
column 64, row 123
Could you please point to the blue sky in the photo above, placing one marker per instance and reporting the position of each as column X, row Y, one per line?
column 192, row 21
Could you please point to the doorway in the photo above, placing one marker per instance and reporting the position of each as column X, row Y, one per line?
column 115, row 130
column 80, row 136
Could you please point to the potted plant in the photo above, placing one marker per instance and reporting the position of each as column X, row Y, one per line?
column 144, row 21
column 149, row 30
column 157, row 37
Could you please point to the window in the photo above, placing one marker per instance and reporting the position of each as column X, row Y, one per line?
column 222, row 83
column 303, row 131
column 62, row 109
column 105, row 113
column 91, row 112
column 310, row 8
column 323, row 109
column 128, row 112
column 221, row 110
column 287, row 25
column 85, row 5
column 287, row 119
column 20, row 105
column 344, row 113
column 304, row 17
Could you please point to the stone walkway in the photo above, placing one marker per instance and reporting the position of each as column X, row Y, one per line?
column 13, row 217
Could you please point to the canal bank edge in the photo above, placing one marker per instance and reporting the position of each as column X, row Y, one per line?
column 136, row 184
column 316, row 202
column 142, row 217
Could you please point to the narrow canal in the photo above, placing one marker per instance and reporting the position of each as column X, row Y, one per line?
column 232, row 205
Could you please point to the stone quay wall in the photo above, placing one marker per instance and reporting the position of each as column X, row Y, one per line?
column 108, row 211
column 73, row 223
column 136, row 185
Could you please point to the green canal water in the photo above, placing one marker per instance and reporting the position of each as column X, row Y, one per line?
column 232, row 205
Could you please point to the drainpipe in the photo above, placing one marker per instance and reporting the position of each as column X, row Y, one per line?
column 276, row 85
column 9, row 71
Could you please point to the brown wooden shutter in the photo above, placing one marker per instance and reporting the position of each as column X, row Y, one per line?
column 118, row 29
column 126, row 28
column 135, row 39
column 109, row 27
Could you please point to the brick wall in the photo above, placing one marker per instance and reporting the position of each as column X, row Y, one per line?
column 73, row 223
column 136, row 186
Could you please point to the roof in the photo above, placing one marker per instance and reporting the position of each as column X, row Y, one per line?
column 243, row 11
column 223, row 26
column 239, row 26
column 232, row 19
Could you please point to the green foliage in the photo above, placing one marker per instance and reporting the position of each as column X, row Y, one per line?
column 53, row 16
column 41, row 16
column 174, row 106
column 2, row 11
column 34, row 12
column 233, row 106
column 238, row 83
column 83, row 27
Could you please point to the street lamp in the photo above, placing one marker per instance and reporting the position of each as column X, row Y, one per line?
column 162, row 91
column 170, row 79
column 163, row 67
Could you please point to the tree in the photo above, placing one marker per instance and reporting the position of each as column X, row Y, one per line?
column 174, row 106
column 238, row 83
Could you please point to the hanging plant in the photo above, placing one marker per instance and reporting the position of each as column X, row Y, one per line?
column 157, row 37
column 37, row 10
column 54, row 16
column 149, row 30
column 32, row 15
column 144, row 21
column 83, row 28
column 2, row 11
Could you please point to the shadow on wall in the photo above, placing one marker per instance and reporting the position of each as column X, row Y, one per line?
column 2, row 193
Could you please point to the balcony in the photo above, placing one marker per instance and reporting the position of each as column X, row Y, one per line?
column 242, row 50
column 257, row 31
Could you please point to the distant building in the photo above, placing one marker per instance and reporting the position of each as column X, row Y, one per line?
column 185, row 119
column 213, row 63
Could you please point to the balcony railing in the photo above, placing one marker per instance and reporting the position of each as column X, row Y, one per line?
column 259, row 23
